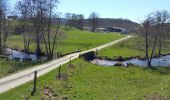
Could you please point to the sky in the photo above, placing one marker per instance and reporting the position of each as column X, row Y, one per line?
column 135, row 10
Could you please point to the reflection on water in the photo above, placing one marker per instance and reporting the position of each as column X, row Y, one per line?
column 156, row 62
column 15, row 54
column 103, row 62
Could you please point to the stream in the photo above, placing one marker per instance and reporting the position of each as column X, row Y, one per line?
column 16, row 54
column 163, row 61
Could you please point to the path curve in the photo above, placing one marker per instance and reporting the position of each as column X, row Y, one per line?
column 27, row 75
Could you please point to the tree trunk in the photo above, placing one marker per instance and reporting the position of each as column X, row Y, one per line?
column 146, row 49
column 93, row 25
column 38, row 50
column 153, row 50
column 1, row 31
column 160, row 46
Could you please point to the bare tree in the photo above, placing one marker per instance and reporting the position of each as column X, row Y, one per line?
column 25, row 10
column 8, row 29
column 94, row 20
column 3, row 36
column 150, row 36
column 80, row 21
column 38, row 12
column 74, row 20
column 161, row 18
column 50, row 35
column 68, row 20
column 40, row 15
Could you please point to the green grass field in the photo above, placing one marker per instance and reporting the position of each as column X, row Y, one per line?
column 72, row 40
column 83, row 40
column 86, row 81
column 130, row 48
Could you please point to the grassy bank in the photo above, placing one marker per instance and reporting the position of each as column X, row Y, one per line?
column 8, row 67
column 86, row 81
column 131, row 48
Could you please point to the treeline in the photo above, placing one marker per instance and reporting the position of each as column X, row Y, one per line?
column 94, row 21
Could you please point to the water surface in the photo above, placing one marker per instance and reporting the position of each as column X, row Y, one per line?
column 163, row 61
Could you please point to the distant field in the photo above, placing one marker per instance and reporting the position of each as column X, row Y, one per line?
column 86, row 81
column 130, row 48
column 72, row 40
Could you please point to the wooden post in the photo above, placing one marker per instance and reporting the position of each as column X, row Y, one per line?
column 57, row 54
column 70, row 63
column 96, row 52
column 35, row 84
column 59, row 72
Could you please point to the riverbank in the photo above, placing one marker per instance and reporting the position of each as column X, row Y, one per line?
column 131, row 52
column 133, row 47
column 163, row 61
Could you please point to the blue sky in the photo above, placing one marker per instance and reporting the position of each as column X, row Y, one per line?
column 134, row 10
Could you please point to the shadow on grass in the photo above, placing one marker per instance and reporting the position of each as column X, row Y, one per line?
column 160, row 70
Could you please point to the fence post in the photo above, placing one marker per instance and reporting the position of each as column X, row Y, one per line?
column 59, row 72
column 35, row 84
column 96, row 52
column 70, row 63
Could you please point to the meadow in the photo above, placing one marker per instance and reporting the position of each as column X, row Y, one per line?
column 85, row 81
column 131, row 48
column 70, row 40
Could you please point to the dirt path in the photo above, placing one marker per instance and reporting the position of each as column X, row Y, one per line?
column 27, row 75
